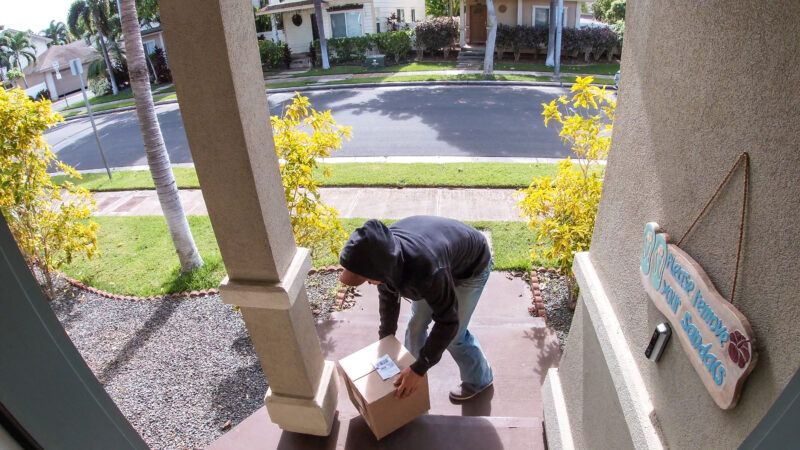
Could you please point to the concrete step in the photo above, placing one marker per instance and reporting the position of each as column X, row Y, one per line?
column 425, row 432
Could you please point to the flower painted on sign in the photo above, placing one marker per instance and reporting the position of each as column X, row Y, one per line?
column 739, row 349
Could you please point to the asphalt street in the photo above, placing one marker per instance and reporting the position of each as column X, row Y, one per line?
column 466, row 121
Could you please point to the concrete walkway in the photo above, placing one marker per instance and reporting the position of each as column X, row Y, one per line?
column 383, row 203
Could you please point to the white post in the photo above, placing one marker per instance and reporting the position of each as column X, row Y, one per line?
column 462, row 25
column 519, row 12
column 559, row 27
column 551, row 35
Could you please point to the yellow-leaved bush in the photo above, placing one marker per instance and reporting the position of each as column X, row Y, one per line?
column 48, row 221
column 561, row 210
column 302, row 135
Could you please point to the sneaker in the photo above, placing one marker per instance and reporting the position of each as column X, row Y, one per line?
column 462, row 393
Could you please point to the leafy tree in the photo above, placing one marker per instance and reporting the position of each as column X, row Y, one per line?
column 442, row 8
column 93, row 18
column 156, row 151
column 50, row 222
column 17, row 46
column 562, row 210
column 609, row 11
column 57, row 32
column 302, row 135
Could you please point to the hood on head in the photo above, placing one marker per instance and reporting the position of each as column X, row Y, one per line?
column 373, row 252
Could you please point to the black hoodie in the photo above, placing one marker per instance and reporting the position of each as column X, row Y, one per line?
column 419, row 258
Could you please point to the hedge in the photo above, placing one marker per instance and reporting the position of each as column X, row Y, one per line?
column 394, row 44
column 591, row 42
column 439, row 33
column 274, row 55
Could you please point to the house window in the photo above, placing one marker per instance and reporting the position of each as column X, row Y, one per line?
column 149, row 47
column 541, row 16
column 346, row 24
column 401, row 15
column 413, row 15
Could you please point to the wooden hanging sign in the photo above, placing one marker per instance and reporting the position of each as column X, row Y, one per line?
column 715, row 335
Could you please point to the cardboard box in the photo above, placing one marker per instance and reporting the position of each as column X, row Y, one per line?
column 374, row 397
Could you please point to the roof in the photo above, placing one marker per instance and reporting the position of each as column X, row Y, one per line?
column 153, row 30
column 30, row 34
column 62, row 54
column 288, row 6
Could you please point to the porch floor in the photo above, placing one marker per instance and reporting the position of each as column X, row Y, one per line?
column 508, row 415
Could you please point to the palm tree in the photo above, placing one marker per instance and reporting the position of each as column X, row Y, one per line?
column 157, row 157
column 488, row 59
column 91, row 18
column 57, row 32
column 18, row 47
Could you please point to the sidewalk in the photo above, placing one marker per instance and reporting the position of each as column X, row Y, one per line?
column 382, row 203
column 348, row 76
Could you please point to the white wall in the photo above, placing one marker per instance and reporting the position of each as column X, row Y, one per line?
column 298, row 38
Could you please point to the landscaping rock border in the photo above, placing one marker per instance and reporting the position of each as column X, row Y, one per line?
column 537, row 303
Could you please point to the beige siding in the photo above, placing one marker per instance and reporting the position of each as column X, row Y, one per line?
column 527, row 11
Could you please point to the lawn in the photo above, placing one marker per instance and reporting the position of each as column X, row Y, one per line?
column 410, row 67
column 594, row 69
column 160, row 97
column 477, row 175
column 396, row 78
column 137, row 257
column 122, row 95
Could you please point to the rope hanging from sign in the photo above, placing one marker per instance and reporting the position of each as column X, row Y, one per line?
column 744, row 157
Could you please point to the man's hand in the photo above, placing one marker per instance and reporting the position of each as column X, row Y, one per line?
column 407, row 383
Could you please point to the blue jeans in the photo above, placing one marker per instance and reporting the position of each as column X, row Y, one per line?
column 465, row 349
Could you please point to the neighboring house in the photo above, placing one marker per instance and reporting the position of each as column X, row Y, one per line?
column 60, row 82
column 513, row 12
column 39, row 44
column 153, row 37
column 341, row 18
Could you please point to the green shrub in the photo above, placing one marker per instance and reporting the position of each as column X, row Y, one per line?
column 519, row 37
column 99, row 86
column 274, row 55
column 395, row 44
column 349, row 49
column 159, row 62
column 435, row 34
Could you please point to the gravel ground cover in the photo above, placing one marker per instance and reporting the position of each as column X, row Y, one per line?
column 554, row 294
column 183, row 371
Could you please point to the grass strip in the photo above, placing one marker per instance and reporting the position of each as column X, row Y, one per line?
column 593, row 69
column 125, row 94
column 137, row 257
column 464, row 175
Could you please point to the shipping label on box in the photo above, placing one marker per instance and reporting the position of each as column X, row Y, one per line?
column 369, row 375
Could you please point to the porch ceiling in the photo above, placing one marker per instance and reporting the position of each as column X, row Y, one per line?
column 286, row 7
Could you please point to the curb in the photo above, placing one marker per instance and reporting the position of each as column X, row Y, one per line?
column 190, row 294
column 421, row 84
column 537, row 308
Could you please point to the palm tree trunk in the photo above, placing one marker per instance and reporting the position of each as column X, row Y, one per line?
column 109, row 67
column 488, row 59
column 323, row 43
column 19, row 66
column 157, row 157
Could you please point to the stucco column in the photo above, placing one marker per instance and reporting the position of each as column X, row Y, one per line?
column 50, row 82
column 519, row 12
column 215, row 62
column 462, row 25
